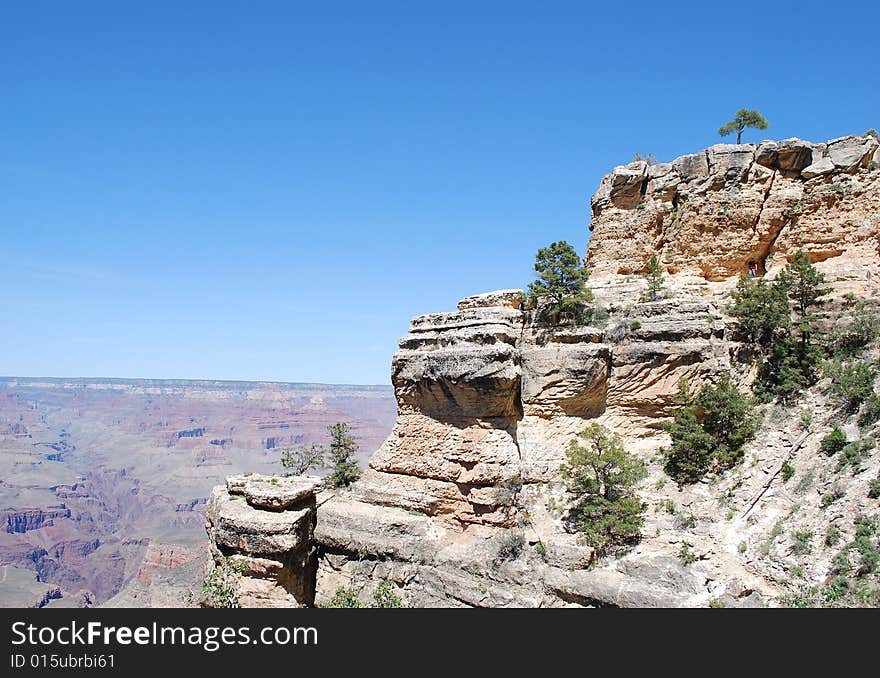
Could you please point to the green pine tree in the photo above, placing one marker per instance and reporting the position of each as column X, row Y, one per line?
column 560, row 290
column 341, row 456
column 778, row 319
column 743, row 118
column 600, row 475
column 804, row 285
column 654, row 275
column 709, row 431
column 762, row 311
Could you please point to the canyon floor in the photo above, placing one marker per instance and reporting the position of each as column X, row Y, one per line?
column 103, row 482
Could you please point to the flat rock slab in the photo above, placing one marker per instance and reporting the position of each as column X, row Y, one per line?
column 250, row 530
column 609, row 588
column 505, row 298
column 273, row 493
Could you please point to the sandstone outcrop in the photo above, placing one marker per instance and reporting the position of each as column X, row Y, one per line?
column 711, row 213
column 264, row 527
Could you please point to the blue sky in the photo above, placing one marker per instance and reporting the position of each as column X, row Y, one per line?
column 270, row 190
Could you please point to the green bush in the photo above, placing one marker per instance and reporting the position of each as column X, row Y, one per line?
column 852, row 384
column 852, row 338
column 709, row 431
column 803, row 542
column 871, row 414
column 599, row 476
column 787, row 472
column 839, row 592
column 874, row 489
column 834, row 442
column 832, row 536
column 686, row 556
column 385, row 595
column 345, row 597
column 788, row 369
column 541, row 550
column 854, row 453
column 220, row 585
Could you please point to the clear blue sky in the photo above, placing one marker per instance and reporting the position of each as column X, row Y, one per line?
column 270, row 190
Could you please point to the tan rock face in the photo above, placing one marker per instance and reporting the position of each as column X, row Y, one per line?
column 503, row 298
column 711, row 213
column 264, row 526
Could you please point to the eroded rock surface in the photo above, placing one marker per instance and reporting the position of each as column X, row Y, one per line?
column 459, row 505
column 711, row 213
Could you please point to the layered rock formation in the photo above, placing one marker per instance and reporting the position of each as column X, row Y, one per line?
column 709, row 214
column 458, row 506
column 263, row 526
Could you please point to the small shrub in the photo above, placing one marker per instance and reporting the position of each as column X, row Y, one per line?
column 709, row 431
column 743, row 547
column 832, row 536
column 871, row 414
column 635, row 325
column 687, row 522
column 777, row 530
column 833, row 443
column 854, row 453
column 797, row 571
column 803, row 542
column 669, row 506
column 787, row 472
column 220, row 585
column 510, row 546
column 685, row 555
column 831, row 497
column 541, row 550
column 385, row 595
column 874, row 489
column 805, row 483
column 860, row 332
column 806, row 418
column 346, row 598
column 852, row 384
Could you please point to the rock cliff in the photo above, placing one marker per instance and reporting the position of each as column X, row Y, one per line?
column 709, row 214
column 457, row 507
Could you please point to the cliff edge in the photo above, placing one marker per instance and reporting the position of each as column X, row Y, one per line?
column 459, row 505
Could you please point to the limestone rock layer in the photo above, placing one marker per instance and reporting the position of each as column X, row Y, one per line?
column 711, row 213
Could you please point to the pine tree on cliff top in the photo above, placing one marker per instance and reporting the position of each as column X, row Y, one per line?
column 743, row 118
